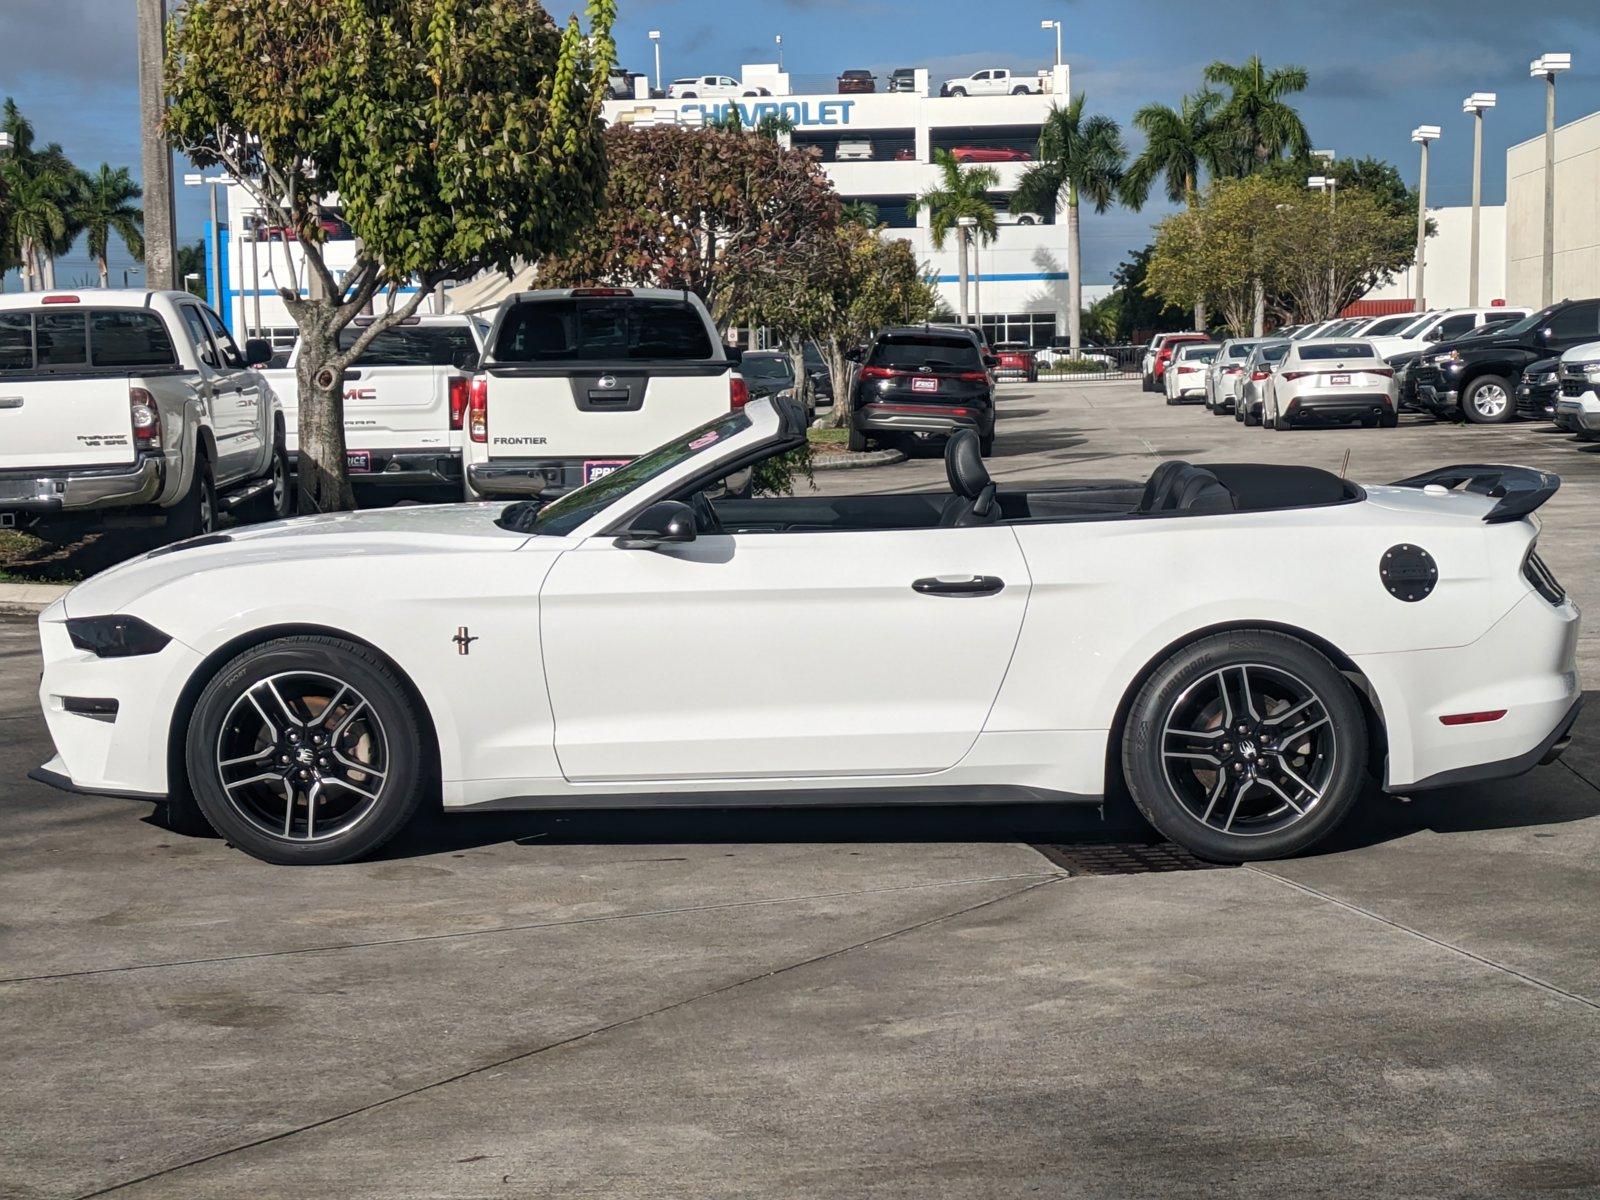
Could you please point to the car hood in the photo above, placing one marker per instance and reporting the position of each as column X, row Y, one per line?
column 436, row 529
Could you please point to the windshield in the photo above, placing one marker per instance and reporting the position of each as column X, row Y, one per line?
column 566, row 513
column 1240, row 349
column 1528, row 323
column 926, row 350
column 755, row 366
column 1331, row 350
column 412, row 345
column 1415, row 326
column 73, row 339
column 1388, row 325
column 1271, row 352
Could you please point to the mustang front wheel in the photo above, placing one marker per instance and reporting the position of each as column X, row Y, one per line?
column 306, row 750
column 1246, row 745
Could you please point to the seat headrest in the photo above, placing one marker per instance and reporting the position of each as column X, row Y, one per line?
column 963, row 464
column 1158, row 490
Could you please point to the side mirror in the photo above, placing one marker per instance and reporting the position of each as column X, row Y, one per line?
column 465, row 360
column 990, row 360
column 665, row 522
column 257, row 352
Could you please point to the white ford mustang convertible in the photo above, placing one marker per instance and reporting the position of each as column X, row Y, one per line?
column 1236, row 647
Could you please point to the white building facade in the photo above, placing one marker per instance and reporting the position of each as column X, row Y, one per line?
column 1447, row 267
column 1577, row 223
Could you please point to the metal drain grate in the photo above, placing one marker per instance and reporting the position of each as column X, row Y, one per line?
column 1123, row 858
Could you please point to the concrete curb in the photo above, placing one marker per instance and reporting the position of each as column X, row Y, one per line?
column 850, row 462
column 29, row 599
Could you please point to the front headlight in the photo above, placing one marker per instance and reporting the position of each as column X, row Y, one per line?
column 115, row 636
column 1591, row 372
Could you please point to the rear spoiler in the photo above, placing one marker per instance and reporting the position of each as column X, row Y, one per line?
column 1519, row 490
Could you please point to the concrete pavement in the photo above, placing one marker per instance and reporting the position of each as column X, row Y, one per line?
column 837, row 1003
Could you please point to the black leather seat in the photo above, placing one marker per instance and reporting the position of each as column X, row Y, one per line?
column 973, row 501
column 1178, row 486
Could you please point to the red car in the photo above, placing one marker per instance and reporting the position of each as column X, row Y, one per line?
column 1016, row 361
column 988, row 154
column 1153, row 382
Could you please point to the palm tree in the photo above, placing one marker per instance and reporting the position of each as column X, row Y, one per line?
column 1078, row 157
column 859, row 212
column 38, row 222
column 1256, row 124
column 1178, row 143
column 104, row 207
column 961, row 192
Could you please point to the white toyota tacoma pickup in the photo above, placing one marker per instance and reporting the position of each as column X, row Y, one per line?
column 577, row 382
column 128, row 405
column 405, row 401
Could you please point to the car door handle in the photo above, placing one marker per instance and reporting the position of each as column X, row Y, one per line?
column 959, row 585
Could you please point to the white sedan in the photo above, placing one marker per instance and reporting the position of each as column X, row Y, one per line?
column 1335, row 380
column 650, row 640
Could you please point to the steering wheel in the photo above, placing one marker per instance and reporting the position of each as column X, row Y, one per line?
column 706, row 520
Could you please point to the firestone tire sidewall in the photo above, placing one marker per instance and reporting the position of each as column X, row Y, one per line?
column 1141, row 744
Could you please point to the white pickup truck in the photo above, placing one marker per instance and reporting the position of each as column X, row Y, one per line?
column 577, row 382
column 405, row 400
column 996, row 81
column 128, row 405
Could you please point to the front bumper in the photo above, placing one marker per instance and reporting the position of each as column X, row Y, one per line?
column 1538, row 403
column 1578, row 414
column 74, row 489
column 1441, row 402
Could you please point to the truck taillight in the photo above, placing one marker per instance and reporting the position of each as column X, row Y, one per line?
column 738, row 392
column 146, row 418
column 478, row 409
column 458, row 401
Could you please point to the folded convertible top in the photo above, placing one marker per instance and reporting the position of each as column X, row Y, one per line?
column 1519, row 490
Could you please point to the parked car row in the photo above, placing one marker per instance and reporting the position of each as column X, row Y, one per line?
column 1481, row 365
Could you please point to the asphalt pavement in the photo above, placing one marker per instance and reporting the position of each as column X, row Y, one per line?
column 829, row 1003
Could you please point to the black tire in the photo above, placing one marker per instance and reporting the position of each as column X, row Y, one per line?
column 390, row 731
column 1331, row 762
column 277, row 502
column 1478, row 400
column 858, row 440
column 1019, row 91
column 955, row 91
column 196, row 514
column 1391, row 422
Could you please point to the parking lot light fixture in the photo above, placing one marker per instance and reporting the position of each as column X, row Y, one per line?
column 214, row 281
column 1327, row 183
column 1475, row 105
column 655, row 40
column 1423, row 135
column 1056, row 25
column 1549, row 66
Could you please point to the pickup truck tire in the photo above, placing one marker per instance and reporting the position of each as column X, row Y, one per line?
column 1019, row 91
column 277, row 502
column 957, row 91
column 857, row 441
column 196, row 513
column 1487, row 400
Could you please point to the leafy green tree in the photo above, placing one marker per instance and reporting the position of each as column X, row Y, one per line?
column 43, row 184
column 960, row 192
column 1256, row 124
column 1179, row 143
column 192, row 261
column 457, row 135
column 859, row 212
column 1079, row 157
column 1141, row 313
column 103, row 206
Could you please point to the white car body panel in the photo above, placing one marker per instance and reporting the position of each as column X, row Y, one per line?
column 1307, row 385
column 744, row 665
column 1185, row 374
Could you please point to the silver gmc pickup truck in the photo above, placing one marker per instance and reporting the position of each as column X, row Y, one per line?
column 128, row 405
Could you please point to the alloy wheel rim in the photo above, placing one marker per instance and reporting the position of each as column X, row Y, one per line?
column 1248, row 750
column 302, row 756
column 280, row 485
column 1490, row 400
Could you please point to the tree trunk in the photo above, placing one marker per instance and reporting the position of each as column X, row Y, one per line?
column 1074, row 274
column 30, row 266
column 1259, row 326
column 105, row 271
column 323, row 485
column 48, row 261
column 839, row 375
column 965, row 311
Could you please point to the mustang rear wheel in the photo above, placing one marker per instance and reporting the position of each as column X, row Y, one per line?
column 306, row 750
column 1246, row 745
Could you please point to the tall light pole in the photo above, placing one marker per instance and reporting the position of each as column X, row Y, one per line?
column 1474, row 105
column 778, row 39
column 965, row 224
column 1327, row 183
column 1549, row 65
column 161, row 270
column 1422, row 135
column 214, row 260
column 1056, row 25
column 655, row 40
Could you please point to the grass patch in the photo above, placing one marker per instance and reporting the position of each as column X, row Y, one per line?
column 827, row 437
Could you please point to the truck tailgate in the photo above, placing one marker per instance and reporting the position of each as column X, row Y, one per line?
column 616, row 412
column 66, row 422
column 396, row 408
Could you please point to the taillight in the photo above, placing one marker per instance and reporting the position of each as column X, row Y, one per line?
column 1298, row 374
column 1259, row 374
column 1473, row 718
column 1187, row 370
column 59, row 300
column 738, row 392
column 880, row 373
column 459, row 387
column 478, row 409
column 1386, row 372
column 973, row 377
column 1234, row 370
column 146, row 418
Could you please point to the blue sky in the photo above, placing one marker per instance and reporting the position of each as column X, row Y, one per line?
column 1378, row 68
